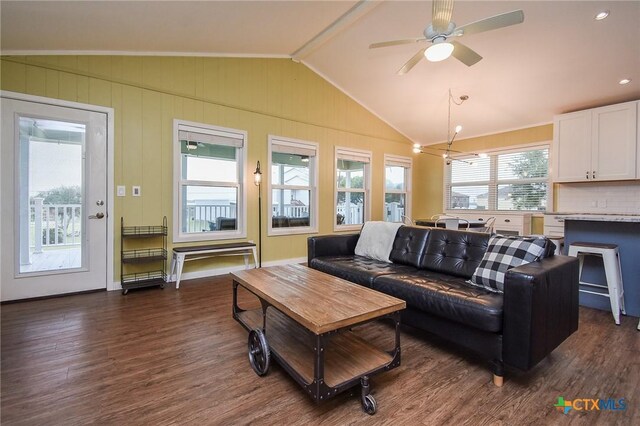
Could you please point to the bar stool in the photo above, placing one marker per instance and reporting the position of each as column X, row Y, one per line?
column 613, row 272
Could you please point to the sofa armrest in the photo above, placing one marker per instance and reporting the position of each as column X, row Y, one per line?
column 540, row 309
column 331, row 245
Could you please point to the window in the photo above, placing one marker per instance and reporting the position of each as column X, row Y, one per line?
column 397, row 188
column 209, row 200
column 505, row 180
column 352, row 188
column 293, row 195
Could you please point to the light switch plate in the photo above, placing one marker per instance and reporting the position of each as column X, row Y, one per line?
column 121, row 191
column 135, row 191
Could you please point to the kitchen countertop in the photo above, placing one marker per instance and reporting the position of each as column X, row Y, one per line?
column 597, row 217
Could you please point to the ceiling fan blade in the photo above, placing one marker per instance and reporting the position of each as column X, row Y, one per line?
column 493, row 23
column 441, row 12
column 396, row 42
column 465, row 54
column 412, row 62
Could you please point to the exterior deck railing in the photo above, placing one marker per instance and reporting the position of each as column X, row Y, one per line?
column 54, row 224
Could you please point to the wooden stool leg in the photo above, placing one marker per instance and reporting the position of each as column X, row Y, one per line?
column 498, row 380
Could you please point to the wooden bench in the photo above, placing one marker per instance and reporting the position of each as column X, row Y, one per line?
column 184, row 254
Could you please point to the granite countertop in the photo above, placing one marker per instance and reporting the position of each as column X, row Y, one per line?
column 598, row 217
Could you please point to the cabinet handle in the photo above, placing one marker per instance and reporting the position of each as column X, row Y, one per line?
column 593, row 175
column 587, row 174
column 507, row 220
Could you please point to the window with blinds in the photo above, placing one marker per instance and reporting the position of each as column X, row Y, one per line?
column 504, row 180
column 293, row 205
column 208, row 167
column 352, row 188
column 397, row 188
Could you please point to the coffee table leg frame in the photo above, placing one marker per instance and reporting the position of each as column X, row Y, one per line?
column 318, row 390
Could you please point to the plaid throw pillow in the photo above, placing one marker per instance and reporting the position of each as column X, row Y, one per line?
column 504, row 253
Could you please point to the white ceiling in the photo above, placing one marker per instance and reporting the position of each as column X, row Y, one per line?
column 560, row 59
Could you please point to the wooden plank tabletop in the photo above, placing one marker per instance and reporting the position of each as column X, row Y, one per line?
column 318, row 301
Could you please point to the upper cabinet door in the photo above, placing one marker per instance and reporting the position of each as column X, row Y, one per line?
column 572, row 147
column 614, row 148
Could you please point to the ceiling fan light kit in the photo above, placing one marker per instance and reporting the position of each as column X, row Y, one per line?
column 439, row 51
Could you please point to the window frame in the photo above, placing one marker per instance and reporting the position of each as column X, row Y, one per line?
column 398, row 161
column 493, row 181
column 179, row 183
column 313, row 187
column 342, row 153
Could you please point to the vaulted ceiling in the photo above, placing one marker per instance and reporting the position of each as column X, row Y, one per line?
column 560, row 59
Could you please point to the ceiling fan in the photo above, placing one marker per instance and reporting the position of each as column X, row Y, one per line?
column 442, row 29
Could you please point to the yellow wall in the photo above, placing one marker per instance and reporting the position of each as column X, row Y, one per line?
column 261, row 96
column 429, row 169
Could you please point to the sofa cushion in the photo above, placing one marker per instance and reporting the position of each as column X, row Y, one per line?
column 358, row 269
column 454, row 252
column 445, row 296
column 503, row 254
column 408, row 247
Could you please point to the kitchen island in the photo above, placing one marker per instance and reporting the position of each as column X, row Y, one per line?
column 623, row 230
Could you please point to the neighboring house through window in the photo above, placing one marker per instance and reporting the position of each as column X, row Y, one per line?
column 397, row 188
column 293, row 177
column 352, row 188
column 209, row 198
column 511, row 179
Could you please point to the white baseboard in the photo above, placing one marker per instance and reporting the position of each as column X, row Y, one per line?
column 116, row 286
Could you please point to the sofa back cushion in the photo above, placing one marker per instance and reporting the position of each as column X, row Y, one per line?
column 408, row 246
column 454, row 252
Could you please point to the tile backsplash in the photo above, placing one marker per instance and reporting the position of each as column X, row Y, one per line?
column 600, row 197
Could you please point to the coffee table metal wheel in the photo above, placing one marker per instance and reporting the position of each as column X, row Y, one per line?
column 369, row 405
column 259, row 354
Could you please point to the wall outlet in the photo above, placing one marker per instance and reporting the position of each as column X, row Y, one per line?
column 135, row 191
column 121, row 191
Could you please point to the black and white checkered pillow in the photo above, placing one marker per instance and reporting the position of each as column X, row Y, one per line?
column 504, row 253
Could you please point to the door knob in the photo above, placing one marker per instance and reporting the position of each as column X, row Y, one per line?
column 99, row 215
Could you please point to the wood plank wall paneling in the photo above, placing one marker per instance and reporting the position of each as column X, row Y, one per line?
column 262, row 96
column 177, row 357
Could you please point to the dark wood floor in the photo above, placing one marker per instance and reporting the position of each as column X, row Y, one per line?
column 177, row 357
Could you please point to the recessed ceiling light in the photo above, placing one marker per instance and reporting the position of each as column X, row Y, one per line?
column 600, row 16
column 625, row 81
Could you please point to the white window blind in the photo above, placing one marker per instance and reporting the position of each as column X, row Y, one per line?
column 192, row 134
column 504, row 180
column 306, row 150
column 362, row 157
column 522, row 180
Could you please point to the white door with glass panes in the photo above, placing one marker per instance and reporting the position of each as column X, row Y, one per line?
column 54, row 203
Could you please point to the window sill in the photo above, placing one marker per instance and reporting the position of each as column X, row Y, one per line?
column 276, row 232
column 340, row 228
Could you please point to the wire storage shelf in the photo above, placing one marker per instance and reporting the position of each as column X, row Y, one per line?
column 143, row 255
column 144, row 231
column 154, row 256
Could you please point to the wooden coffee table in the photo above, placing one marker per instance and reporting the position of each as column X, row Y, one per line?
column 305, row 323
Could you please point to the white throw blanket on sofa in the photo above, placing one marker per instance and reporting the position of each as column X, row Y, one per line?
column 376, row 240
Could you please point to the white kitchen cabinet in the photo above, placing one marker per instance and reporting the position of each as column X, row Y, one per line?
column 599, row 144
